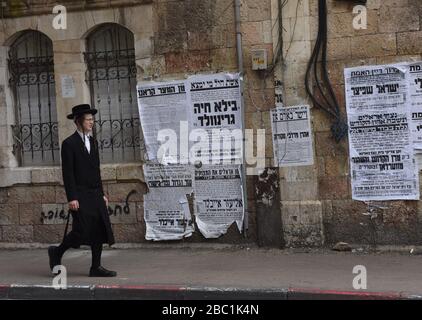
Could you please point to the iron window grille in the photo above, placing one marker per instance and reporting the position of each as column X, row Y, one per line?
column 35, row 132
column 111, row 76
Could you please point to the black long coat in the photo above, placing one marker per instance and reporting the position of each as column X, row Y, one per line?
column 82, row 182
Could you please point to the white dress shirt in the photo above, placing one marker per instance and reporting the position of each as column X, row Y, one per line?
column 87, row 142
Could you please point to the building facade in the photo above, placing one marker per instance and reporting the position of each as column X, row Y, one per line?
column 109, row 46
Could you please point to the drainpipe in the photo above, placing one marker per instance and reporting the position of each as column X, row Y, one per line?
column 240, row 67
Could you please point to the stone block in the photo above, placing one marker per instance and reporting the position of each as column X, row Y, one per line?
column 20, row 234
column 398, row 19
column 302, row 223
column 370, row 46
column 252, row 33
column 339, row 48
column 325, row 145
column 61, row 195
column 337, row 166
column 130, row 172
column 334, row 188
column 255, row 10
column 409, row 42
column 47, row 175
column 170, row 41
column 52, row 233
column 259, row 100
column 53, row 213
column 32, row 194
column 122, row 213
column 30, row 215
column 129, row 233
column 9, row 214
column 301, row 190
column 188, row 62
column 118, row 192
column 144, row 46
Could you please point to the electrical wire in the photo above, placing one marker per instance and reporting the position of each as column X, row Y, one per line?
column 325, row 97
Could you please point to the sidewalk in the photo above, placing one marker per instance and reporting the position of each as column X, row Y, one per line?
column 225, row 273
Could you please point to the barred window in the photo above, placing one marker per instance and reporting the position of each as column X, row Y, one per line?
column 31, row 68
column 111, row 76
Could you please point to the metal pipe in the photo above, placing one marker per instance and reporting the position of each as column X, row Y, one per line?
column 241, row 71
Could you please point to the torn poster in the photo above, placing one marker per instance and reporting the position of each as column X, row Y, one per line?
column 166, row 208
column 415, row 88
column 218, row 199
column 163, row 108
column 382, row 163
column 292, row 136
column 215, row 103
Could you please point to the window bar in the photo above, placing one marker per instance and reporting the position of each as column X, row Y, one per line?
column 28, row 84
column 119, row 94
column 129, row 74
column 51, row 125
column 38, row 70
column 108, row 95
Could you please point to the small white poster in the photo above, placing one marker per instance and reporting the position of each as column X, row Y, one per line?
column 292, row 136
column 218, row 199
column 68, row 86
column 166, row 207
column 163, row 108
column 415, row 88
column 215, row 107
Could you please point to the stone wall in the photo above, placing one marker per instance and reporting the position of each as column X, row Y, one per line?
column 392, row 35
column 173, row 39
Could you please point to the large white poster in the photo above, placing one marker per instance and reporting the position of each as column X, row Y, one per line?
column 218, row 199
column 382, row 163
column 215, row 107
column 166, row 208
column 415, row 87
column 292, row 136
column 162, row 107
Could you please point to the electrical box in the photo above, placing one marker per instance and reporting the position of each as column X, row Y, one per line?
column 259, row 59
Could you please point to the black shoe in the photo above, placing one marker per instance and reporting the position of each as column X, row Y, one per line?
column 101, row 272
column 54, row 257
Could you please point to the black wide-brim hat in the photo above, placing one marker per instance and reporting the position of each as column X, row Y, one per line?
column 81, row 109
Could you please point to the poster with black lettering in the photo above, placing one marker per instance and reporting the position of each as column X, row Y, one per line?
column 415, row 88
column 382, row 163
column 163, row 113
column 166, row 207
column 218, row 199
column 216, row 117
column 292, row 136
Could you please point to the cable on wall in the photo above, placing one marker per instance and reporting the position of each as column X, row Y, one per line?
column 323, row 95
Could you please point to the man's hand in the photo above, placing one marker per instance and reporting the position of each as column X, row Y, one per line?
column 106, row 200
column 74, row 205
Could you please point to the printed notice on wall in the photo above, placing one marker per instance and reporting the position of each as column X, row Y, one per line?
column 215, row 107
column 382, row 163
column 218, row 199
column 415, row 88
column 166, row 208
column 163, row 108
column 292, row 136
column 68, row 86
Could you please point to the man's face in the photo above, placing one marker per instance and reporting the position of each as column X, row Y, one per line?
column 88, row 123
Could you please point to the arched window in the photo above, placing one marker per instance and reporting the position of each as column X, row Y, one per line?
column 111, row 76
column 31, row 69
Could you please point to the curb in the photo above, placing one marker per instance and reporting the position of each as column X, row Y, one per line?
column 163, row 292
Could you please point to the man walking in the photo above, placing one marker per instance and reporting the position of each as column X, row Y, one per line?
column 84, row 191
